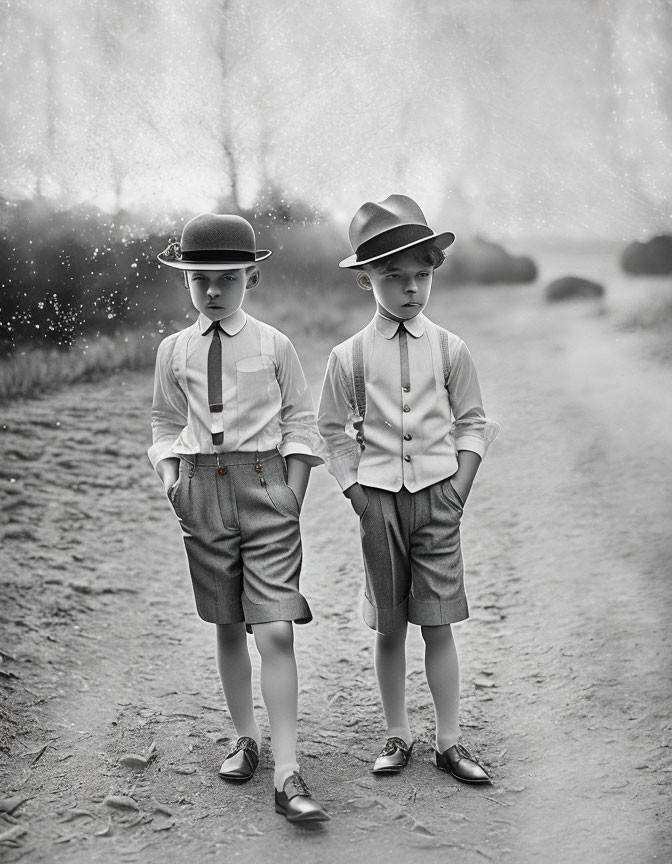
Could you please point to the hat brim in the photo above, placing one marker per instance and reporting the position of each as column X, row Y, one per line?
column 260, row 255
column 443, row 241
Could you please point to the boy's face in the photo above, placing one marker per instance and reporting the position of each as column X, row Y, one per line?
column 219, row 293
column 402, row 290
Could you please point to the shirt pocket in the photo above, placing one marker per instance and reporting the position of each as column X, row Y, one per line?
column 257, row 392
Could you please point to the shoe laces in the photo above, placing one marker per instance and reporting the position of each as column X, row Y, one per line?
column 300, row 784
column 465, row 754
column 393, row 744
column 244, row 743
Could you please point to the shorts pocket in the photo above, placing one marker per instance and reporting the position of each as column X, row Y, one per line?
column 282, row 498
column 450, row 494
column 172, row 490
column 296, row 500
column 366, row 506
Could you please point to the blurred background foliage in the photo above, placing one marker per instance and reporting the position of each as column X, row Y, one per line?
column 512, row 122
column 503, row 117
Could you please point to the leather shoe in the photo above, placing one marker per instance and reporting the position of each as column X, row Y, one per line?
column 393, row 757
column 459, row 762
column 241, row 763
column 296, row 803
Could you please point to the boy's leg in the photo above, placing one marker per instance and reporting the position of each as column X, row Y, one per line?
column 235, row 671
column 443, row 676
column 280, row 689
column 384, row 527
column 390, row 664
column 384, row 534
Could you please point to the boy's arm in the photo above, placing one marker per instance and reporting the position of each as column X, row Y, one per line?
column 357, row 497
column 333, row 415
column 169, row 416
column 298, row 427
column 472, row 432
column 168, row 471
column 462, row 480
column 298, row 474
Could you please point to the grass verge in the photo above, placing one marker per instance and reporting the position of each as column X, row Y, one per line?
column 309, row 315
column 31, row 371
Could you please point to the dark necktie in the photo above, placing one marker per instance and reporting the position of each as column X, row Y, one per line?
column 403, row 355
column 215, row 385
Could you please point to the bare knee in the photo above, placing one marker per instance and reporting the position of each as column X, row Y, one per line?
column 391, row 642
column 442, row 634
column 274, row 637
column 231, row 636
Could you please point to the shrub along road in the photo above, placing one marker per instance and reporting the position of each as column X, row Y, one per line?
column 565, row 660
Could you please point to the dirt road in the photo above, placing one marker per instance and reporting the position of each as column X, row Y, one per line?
column 565, row 660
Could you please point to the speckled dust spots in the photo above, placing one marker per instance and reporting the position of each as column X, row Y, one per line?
column 566, row 556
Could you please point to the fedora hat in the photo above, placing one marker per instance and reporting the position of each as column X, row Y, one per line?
column 214, row 241
column 381, row 228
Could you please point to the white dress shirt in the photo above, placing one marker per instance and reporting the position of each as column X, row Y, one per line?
column 411, row 438
column 267, row 403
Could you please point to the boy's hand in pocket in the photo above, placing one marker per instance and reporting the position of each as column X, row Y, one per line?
column 168, row 470
column 358, row 498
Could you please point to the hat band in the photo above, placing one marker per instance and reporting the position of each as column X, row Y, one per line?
column 392, row 239
column 204, row 255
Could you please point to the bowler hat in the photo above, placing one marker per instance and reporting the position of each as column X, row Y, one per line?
column 379, row 229
column 214, row 241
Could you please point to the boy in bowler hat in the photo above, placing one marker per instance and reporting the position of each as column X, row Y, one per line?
column 234, row 439
column 405, row 432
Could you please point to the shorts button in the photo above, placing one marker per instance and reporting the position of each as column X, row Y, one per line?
column 407, row 458
column 407, row 408
column 408, row 437
column 222, row 470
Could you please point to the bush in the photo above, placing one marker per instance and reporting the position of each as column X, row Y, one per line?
column 572, row 288
column 64, row 275
column 653, row 258
column 480, row 260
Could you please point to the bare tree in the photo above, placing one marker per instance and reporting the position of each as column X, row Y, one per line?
column 226, row 132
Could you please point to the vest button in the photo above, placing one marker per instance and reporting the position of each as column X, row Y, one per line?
column 407, row 408
column 407, row 458
column 406, row 388
column 408, row 437
column 222, row 470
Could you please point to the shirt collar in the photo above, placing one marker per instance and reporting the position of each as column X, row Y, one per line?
column 388, row 328
column 231, row 325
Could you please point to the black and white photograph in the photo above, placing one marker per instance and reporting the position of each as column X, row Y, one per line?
column 336, row 431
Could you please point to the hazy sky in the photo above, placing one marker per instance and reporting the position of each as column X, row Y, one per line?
column 511, row 116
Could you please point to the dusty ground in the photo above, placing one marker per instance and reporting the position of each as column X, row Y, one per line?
column 565, row 661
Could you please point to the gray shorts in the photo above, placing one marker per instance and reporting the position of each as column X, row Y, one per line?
column 413, row 558
column 240, row 525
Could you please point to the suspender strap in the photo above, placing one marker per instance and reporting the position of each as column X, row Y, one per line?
column 445, row 355
column 358, row 373
column 359, row 385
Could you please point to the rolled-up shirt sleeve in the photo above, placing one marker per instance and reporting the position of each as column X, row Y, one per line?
column 298, row 425
column 169, row 406
column 471, row 429
column 335, row 418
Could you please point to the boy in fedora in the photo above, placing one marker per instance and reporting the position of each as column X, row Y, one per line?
column 234, row 439
column 403, row 422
